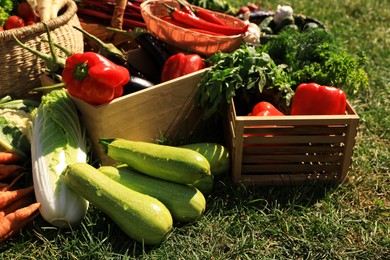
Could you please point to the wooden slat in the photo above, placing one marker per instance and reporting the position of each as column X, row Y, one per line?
column 290, row 168
column 297, row 130
column 301, row 139
column 295, row 149
column 272, row 159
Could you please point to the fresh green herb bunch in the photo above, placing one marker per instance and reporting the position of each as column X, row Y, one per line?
column 317, row 56
column 247, row 75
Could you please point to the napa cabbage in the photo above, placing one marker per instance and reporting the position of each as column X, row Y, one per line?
column 58, row 139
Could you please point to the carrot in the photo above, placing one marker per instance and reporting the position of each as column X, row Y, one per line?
column 9, row 171
column 7, row 197
column 8, row 157
column 15, row 221
column 9, row 186
column 20, row 203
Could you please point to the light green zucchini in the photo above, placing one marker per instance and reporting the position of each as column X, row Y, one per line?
column 185, row 203
column 170, row 163
column 205, row 185
column 216, row 154
column 143, row 218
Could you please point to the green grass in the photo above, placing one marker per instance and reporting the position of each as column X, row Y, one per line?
column 350, row 221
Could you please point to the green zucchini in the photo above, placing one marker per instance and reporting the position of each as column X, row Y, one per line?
column 267, row 22
column 143, row 218
column 216, row 154
column 185, row 203
column 170, row 163
column 205, row 185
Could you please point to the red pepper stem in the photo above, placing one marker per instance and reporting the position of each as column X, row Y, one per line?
column 53, row 62
column 80, row 71
column 66, row 51
column 51, row 87
column 108, row 50
column 170, row 8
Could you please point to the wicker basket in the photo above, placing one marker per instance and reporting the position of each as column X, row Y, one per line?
column 21, row 70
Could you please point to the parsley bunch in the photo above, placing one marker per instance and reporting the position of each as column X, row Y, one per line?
column 246, row 74
column 317, row 56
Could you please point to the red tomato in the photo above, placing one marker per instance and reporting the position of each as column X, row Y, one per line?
column 13, row 22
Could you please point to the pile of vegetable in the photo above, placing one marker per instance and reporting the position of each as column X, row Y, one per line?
column 20, row 13
column 16, row 14
column 200, row 20
column 128, row 192
column 17, row 203
column 285, row 76
column 272, row 72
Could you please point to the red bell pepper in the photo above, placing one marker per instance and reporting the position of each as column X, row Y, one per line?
column 181, row 64
column 314, row 99
column 93, row 78
column 264, row 108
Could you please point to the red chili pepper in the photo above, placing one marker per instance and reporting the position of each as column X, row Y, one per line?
column 93, row 78
column 181, row 64
column 264, row 108
column 174, row 22
column 177, row 23
column 313, row 99
column 185, row 8
column 208, row 16
column 196, row 22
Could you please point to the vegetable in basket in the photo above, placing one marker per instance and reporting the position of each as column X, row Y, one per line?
column 47, row 9
column 198, row 23
column 93, row 78
column 314, row 99
column 58, row 139
column 264, row 108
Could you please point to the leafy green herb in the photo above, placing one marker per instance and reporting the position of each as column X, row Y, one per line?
column 245, row 73
column 317, row 56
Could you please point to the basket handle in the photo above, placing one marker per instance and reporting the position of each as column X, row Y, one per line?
column 117, row 17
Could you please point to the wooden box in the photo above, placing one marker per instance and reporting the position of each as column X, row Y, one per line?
column 165, row 110
column 284, row 150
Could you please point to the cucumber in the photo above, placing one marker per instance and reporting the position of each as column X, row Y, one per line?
column 185, row 203
column 143, row 218
column 169, row 163
column 216, row 154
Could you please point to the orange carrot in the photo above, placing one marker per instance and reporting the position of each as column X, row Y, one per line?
column 15, row 221
column 7, row 197
column 9, row 158
column 9, row 186
column 20, row 203
column 8, row 171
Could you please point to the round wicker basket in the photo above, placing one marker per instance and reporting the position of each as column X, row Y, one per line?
column 20, row 70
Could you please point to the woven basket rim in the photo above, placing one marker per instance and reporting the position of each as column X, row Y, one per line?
column 38, row 27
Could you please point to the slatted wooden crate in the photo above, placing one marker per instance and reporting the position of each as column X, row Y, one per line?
column 284, row 150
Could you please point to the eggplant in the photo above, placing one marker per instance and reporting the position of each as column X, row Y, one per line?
column 136, row 84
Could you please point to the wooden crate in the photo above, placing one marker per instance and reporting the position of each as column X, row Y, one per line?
column 167, row 109
column 284, row 150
